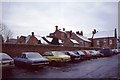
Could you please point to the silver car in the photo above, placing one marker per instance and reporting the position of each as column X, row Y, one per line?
column 6, row 61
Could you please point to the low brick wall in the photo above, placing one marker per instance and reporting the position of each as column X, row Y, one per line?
column 16, row 49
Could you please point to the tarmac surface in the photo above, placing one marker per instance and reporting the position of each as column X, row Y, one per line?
column 108, row 67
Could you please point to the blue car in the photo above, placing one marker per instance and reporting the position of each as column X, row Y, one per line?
column 30, row 59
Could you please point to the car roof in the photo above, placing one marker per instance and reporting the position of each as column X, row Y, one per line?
column 4, row 55
column 29, row 52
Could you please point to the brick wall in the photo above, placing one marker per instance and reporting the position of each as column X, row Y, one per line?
column 16, row 49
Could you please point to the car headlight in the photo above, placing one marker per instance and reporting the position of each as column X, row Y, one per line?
column 12, row 62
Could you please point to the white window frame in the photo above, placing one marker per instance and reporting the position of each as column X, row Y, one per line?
column 110, row 42
column 98, row 42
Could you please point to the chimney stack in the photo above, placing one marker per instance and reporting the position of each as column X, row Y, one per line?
column 56, row 28
column 81, row 33
column 63, row 29
column 77, row 32
column 70, row 33
column 17, row 37
column 32, row 33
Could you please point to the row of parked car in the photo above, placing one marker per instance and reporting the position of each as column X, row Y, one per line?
column 53, row 57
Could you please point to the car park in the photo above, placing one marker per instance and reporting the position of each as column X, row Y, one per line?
column 30, row 59
column 6, row 62
column 73, row 56
column 56, row 57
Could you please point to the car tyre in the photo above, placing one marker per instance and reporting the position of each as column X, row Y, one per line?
column 53, row 63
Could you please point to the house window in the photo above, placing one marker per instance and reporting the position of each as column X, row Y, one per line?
column 98, row 42
column 104, row 40
column 110, row 41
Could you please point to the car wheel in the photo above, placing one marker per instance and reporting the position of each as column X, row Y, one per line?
column 53, row 63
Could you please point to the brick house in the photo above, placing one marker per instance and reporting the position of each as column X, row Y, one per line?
column 83, row 41
column 33, row 39
column 104, row 39
column 30, row 39
column 69, row 38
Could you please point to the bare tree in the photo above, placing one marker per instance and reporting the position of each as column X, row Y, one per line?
column 2, row 28
column 5, row 32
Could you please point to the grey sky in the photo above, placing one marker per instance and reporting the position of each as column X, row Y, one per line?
column 42, row 17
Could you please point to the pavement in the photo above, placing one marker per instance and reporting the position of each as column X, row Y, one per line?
column 108, row 67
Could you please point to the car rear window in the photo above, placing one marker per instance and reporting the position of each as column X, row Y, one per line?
column 33, row 55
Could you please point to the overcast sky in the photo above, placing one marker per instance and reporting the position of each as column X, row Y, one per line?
column 42, row 17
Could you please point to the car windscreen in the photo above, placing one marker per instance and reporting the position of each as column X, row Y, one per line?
column 72, row 53
column 34, row 55
column 80, row 53
column 58, row 53
column 4, row 56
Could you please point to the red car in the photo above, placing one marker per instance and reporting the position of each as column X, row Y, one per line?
column 87, row 54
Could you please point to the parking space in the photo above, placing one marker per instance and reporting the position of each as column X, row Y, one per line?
column 106, row 67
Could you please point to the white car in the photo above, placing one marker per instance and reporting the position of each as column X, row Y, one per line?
column 6, row 61
column 116, row 51
column 96, row 54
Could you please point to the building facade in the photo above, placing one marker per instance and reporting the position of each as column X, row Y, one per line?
column 104, row 39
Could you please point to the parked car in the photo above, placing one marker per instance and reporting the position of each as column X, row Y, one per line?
column 115, row 51
column 6, row 62
column 30, row 59
column 87, row 54
column 56, row 57
column 99, row 54
column 73, row 56
column 107, row 52
column 82, row 55
column 93, row 53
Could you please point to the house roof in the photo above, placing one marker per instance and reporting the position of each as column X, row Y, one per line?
column 13, row 41
column 102, row 34
column 49, row 39
column 27, row 38
column 83, row 38
column 74, row 41
column 42, row 40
